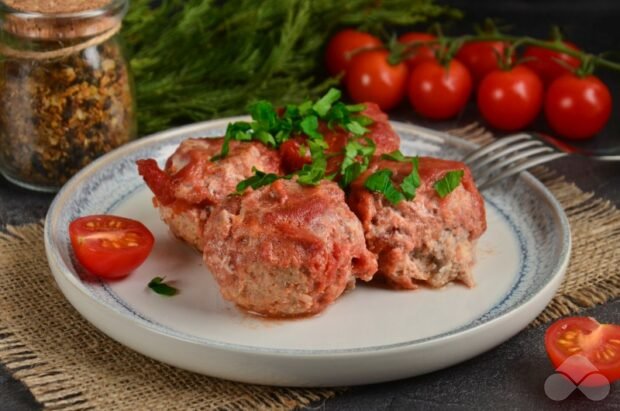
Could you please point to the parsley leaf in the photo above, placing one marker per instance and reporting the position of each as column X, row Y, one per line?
column 411, row 182
column 310, row 126
column 394, row 156
column 356, row 108
column 158, row 285
column 356, row 128
column 448, row 183
column 234, row 131
column 266, row 138
column 322, row 106
column 312, row 174
column 264, row 115
column 380, row 182
column 351, row 168
column 258, row 180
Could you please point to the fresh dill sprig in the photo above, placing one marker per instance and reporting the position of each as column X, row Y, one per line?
column 195, row 60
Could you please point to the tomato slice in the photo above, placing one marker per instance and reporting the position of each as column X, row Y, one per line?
column 109, row 246
column 584, row 337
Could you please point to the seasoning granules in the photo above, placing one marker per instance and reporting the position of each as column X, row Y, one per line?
column 56, row 116
column 66, row 95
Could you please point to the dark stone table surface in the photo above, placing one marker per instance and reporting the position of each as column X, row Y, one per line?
column 512, row 375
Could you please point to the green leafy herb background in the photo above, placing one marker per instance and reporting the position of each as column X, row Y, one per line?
column 195, row 60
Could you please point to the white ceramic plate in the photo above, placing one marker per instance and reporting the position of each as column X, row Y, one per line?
column 368, row 335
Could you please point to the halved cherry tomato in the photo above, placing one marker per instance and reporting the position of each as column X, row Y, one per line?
column 371, row 77
column 584, row 336
column 420, row 53
column 481, row 57
column 510, row 99
column 439, row 92
column 577, row 107
column 343, row 45
column 109, row 246
column 550, row 64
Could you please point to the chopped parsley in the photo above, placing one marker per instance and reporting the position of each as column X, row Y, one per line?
column 324, row 104
column 158, row 285
column 258, row 180
column 381, row 182
column 394, row 156
column 272, row 129
column 312, row 174
column 448, row 182
column 411, row 182
column 357, row 156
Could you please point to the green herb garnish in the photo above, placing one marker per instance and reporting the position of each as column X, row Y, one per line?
column 357, row 156
column 412, row 181
column 381, row 182
column 272, row 129
column 158, row 285
column 322, row 106
column 394, row 156
column 448, row 182
column 258, row 180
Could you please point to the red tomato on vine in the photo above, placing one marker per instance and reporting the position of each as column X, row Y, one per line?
column 439, row 92
column 550, row 64
column 371, row 77
column 510, row 99
column 420, row 54
column 343, row 45
column 577, row 107
column 482, row 57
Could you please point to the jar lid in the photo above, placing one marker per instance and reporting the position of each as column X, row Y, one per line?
column 60, row 19
column 56, row 6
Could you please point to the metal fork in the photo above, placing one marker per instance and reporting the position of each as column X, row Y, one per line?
column 511, row 155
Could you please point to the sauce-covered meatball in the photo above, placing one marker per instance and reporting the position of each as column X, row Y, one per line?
column 191, row 183
column 286, row 250
column 426, row 240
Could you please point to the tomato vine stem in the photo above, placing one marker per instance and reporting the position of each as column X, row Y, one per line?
column 592, row 60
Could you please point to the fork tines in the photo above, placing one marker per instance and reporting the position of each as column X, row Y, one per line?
column 508, row 156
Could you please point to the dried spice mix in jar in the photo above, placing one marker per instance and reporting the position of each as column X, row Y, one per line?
column 66, row 95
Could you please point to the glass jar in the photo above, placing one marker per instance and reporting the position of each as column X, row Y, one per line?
column 66, row 93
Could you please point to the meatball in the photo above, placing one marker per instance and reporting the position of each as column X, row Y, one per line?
column 427, row 240
column 191, row 184
column 286, row 250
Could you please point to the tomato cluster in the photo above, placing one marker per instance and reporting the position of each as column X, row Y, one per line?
column 508, row 98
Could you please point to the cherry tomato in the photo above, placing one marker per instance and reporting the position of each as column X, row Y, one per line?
column 584, row 337
column 438, row 92
column 421, row 53
column 577, row 107
column 545, row 62
column 342, row 46
column 372, row 78
column 481, row 57
column 109, row 246
column 510, row 99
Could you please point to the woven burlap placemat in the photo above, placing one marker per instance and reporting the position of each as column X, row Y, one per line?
column 69, row 365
